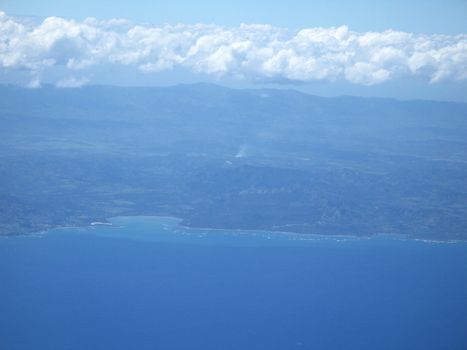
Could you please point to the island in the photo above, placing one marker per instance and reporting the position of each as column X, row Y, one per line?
column 267, row 159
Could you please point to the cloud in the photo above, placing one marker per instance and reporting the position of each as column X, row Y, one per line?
column 254, row 52
column 72, row 82
column 34, row 83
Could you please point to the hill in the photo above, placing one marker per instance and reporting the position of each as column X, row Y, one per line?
column 225, row 158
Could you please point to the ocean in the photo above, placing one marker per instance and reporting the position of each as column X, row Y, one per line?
column 148, row 283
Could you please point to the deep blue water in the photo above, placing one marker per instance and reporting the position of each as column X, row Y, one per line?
column 148, row 284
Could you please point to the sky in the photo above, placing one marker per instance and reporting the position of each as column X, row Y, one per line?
column 403, row 49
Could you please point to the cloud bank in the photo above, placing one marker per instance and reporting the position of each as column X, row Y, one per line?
column 255, row 52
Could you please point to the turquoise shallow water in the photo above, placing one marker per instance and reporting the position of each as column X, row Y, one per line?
column 147, row 283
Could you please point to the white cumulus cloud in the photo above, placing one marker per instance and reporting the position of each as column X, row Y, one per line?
column 254, row 52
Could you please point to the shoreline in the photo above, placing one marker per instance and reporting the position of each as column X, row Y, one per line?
column 107, row 222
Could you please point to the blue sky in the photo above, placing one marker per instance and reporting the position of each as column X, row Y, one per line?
column 343, row 57
column 429, row 16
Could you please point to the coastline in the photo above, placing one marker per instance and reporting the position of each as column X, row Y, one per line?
column 392, row 236
column 310, row 236
column 179, row 224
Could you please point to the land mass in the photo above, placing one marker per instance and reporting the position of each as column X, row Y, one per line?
column 236, row 159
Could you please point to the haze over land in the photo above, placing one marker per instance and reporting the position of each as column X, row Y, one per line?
column 74, row 149
column 218, row 157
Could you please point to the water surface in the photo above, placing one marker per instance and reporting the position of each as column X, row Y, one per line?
column 147, row 283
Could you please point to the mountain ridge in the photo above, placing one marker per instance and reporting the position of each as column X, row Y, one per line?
column 356, row 166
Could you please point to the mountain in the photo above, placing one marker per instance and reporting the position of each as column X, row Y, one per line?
column 224, row 158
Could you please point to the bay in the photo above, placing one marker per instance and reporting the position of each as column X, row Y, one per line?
column 149, row 283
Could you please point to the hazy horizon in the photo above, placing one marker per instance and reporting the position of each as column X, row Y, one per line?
column 326, row 49
column 321, row 94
